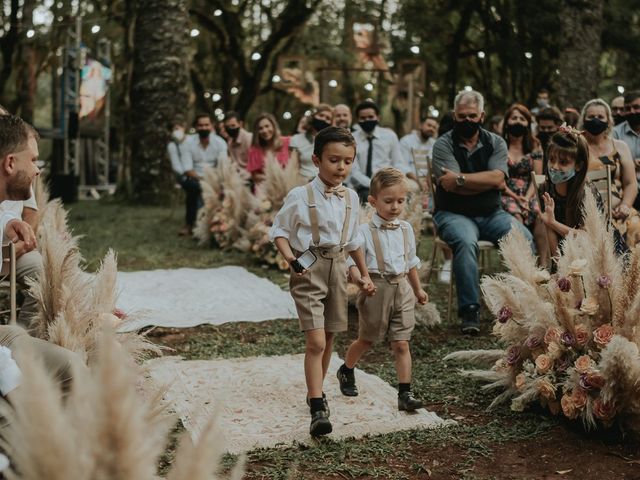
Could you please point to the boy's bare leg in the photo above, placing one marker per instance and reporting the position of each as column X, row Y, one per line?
column 313, row 361
column 402, row 355
column 355, row 351
column 328, row 350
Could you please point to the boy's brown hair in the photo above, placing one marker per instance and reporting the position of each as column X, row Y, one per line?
column 386, row 177
column 332, row 135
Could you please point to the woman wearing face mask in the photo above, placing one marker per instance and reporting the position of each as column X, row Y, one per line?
column 267, row 143
column 301, row 146
column 563, row 192
column 597, row 122
column 525, row 156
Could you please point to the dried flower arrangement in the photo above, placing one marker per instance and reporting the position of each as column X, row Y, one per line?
column 572, row 338
column 103, row 428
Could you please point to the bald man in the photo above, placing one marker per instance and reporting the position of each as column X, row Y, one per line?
column 342, row 116
column 617, row 109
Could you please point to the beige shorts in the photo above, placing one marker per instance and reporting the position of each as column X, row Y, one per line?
column 321, row 294
column 387, row 314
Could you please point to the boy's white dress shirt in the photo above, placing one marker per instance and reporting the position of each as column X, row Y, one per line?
column 294, row 223
column 392, row 244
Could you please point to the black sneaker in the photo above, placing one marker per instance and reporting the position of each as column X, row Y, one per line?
column 471, row 320
column 407, row 403
column 324, row 401
column 320, row 424
column 347, row 382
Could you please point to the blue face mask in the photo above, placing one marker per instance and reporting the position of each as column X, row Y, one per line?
column 560, row 176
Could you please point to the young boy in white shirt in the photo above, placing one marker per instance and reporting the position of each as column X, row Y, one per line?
column 390, row 254
column 320, row 220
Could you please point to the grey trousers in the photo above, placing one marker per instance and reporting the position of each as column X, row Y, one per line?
column 28, row 265
column 59, row 362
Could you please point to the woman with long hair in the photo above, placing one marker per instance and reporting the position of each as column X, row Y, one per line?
column 597, row 122
column 524, row 156
column 267, row 143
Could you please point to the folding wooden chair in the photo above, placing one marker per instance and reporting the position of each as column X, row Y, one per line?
column 421, row 168
column 484, row 248
column 602, row 181
column 8, row 278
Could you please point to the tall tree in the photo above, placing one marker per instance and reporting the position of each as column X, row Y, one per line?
column 250, row 37
column 159, row 91
column 580, row 49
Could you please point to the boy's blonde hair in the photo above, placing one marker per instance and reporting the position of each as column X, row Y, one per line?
column 386, row 177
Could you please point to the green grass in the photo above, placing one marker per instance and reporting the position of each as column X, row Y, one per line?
column 146, row 238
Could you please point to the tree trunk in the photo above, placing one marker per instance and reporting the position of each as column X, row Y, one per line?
column 159, row 92
column 580, row 50
column 26, row 78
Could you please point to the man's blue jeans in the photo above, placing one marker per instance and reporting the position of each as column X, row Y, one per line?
column 462, row 233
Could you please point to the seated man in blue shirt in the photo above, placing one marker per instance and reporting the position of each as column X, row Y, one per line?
column 470, row 165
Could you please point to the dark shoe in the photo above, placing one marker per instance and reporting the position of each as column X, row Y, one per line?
column 406, row 402
column 347, row 382
column 320, row 424
column 326, row 404
column 471, row 320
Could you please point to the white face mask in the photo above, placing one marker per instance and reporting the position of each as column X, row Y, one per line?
column 178, row 134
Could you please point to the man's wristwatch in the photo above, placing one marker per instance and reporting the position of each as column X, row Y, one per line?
column 460, row 179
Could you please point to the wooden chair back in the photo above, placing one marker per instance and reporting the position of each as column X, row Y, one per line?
column 8, row 277
column 602, row 181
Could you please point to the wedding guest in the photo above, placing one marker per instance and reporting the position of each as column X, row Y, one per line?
column 267, row 143
column 239, row 140
column 301, row 145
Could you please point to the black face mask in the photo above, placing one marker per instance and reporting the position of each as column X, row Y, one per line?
column 204, row 134
column 595, row 126
column 368, row 125
column 466, row 128
column 633, row 119
column 319, row 124
column 517, row 129
column 618, row 119
column 233, row 132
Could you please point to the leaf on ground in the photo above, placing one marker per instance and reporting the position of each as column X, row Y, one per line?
column 562, row 472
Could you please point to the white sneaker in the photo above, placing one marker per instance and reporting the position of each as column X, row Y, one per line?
column 445, row 273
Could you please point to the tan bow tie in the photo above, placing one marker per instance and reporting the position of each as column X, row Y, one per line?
column 339, row 191
column 389, row 226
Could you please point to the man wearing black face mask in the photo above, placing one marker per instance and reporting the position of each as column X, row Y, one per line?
column 301, row 144
column 205, row 149
column 376, row 147
column 629, row 131
column 548, row 122
column 470, row 166
column 239, row 140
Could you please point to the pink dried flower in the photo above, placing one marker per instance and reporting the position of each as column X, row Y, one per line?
column 604, row 281
column 504, row 314
column 513, row 355
column 564, row 284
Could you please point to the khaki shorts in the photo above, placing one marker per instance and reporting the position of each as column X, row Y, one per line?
column 321, row 294
column 387, row 314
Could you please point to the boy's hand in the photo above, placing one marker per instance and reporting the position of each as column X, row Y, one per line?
column 367, row 286
column 290, row 261
column 422, row 296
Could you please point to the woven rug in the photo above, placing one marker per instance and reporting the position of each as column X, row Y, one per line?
column 187, row 297
column 262, row 400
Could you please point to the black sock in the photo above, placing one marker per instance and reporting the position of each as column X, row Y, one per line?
column 346, row 369
column 316, row 404
column 404, row 387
